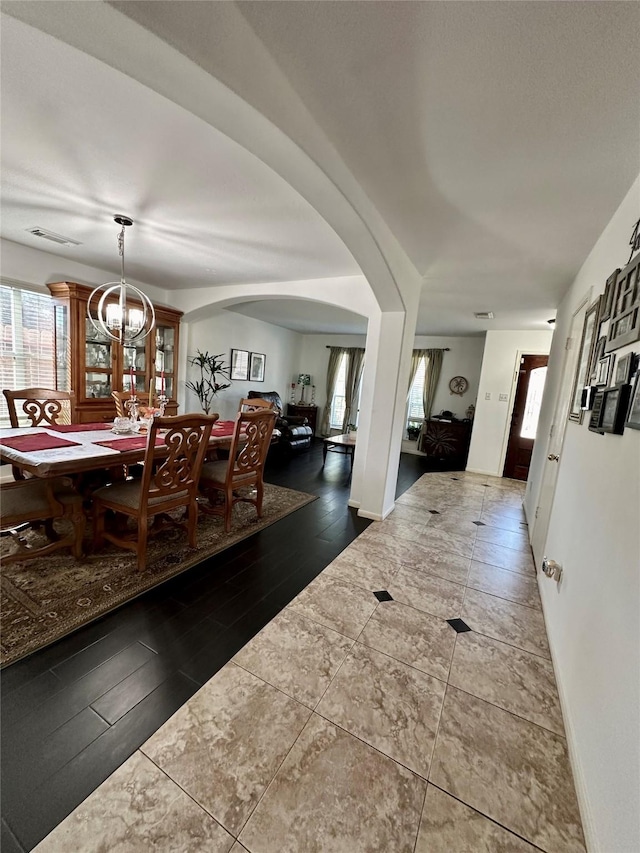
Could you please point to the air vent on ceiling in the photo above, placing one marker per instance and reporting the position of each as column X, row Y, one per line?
column 484, row 315
column 55, row 238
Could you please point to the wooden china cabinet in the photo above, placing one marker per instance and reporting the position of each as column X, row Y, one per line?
column 93, row 366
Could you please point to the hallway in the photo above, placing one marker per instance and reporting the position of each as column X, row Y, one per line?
column 355, row 721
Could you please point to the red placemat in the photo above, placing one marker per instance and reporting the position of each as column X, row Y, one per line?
column 79, row 427
column 224, row 428
column 37, row 441
column 123, row 444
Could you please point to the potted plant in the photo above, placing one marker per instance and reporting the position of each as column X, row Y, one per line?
column 413, row 431
column 352, row 431
column 212, row 369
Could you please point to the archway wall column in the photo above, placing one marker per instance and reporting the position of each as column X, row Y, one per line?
column 390, row 340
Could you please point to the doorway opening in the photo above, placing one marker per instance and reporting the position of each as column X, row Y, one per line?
column 524, row 418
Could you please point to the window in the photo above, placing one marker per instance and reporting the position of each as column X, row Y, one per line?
column 27, row 358
column 338, row 404
column 533, row 402
column 415, row 406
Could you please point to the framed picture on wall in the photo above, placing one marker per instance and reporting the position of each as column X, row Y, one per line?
column 607, row 301
column 624, row 327
column 585, row 356
column 239, row 364
column 256, row 368
column 624, row 368
column 633, row 415
column 614, row 409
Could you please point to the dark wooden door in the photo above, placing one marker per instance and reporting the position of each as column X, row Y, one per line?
column 524, row 418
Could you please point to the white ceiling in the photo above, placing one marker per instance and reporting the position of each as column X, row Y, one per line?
column 496, row 140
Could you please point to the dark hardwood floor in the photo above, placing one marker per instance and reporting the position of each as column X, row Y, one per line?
column 74, row 711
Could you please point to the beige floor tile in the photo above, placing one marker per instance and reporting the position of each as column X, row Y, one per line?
column 337, row 604
column 511, row 770
column 215, row 750
column 354, row 568
column 507, row 538
column 387, row 530
column 335, row 794
column 404, row 512
column 296, row 655
column 410, row 499
column 432, row 537
column 411, row 636
column 448, row 826
column 138, row 809
column 517, row 681
column 434, row 561
column 459, row 524
column 513, row 586
column 505, row 558
column 504, row 620
column 389, row 705
column 387, row 549
column 504, row 522
column 427, row 592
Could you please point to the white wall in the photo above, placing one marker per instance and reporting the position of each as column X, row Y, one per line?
column 593, row 616
column 498, row 377
column 224, row 330
column 464, row 359
column 35, row 266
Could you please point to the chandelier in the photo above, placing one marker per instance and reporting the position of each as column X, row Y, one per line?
column 113, row 317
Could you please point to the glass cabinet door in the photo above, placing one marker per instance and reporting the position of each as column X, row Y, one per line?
column 164, row 367
column 98, row 362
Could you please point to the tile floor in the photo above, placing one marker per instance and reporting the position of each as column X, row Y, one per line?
column 351, row 724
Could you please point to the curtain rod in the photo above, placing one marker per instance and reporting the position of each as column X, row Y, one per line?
column 444, row 349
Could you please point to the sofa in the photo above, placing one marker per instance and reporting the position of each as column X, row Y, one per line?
column 295, row 432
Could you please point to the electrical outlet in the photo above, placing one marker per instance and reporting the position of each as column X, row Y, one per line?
column 504, row 398
column 487, row 396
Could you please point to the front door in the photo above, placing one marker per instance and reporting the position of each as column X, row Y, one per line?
column 524, row 420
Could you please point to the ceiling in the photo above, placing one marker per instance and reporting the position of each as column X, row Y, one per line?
column 495, row 139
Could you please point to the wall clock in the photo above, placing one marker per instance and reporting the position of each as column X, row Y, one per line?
column 458, row 385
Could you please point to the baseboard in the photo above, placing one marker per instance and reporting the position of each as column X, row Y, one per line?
column 480, row 471
column 586, row 814
column 354, row 504
column 374, row 516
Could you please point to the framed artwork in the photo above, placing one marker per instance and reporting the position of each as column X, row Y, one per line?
column 256, row 368
column 624, row 326
column 624, row 368
column 596, row 412
column 239, row 364
column 598, row 352
column 614, row 409
column 633, row 415
column 607, row 300
column 603, row 370
column 585, row 355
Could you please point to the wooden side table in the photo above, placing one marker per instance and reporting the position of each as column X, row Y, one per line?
column 339, row 444
column 308, row 412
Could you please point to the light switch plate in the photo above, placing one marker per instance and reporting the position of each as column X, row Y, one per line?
column 504, row 398
column 487, row 396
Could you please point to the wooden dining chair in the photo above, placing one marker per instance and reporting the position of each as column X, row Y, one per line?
column 253, row 404
column 121, row 397
column 38, row 503
column 40, row 407
column 243, row 469
column 169, row 482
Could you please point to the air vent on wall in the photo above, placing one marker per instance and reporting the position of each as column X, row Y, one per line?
column 484, row 315
column 55, row 238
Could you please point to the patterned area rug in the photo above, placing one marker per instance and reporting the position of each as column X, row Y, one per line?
column 45, row 599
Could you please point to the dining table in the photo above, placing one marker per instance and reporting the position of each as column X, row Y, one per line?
column 68, row 449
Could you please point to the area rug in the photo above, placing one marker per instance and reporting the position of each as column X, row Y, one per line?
column 44, row 599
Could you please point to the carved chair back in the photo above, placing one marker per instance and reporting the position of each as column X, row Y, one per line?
column 249, row 457
column 41, row 406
